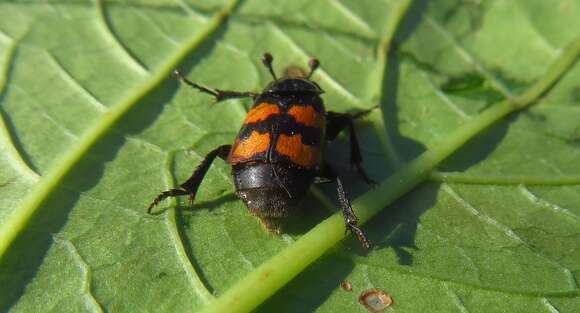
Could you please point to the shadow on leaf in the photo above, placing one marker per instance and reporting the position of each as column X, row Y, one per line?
column 396, row 226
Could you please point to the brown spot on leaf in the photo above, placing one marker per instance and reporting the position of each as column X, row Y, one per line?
column 375, row 300
column 346, row 285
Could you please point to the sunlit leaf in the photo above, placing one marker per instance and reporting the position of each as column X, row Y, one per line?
column 93, row 126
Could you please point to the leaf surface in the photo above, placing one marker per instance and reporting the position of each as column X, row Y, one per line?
column 92, row 127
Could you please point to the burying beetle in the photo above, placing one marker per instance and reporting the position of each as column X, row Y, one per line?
column 278, row 152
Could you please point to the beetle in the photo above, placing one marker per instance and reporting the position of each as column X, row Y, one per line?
column 278, row 152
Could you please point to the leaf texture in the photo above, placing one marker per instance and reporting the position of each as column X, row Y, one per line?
column 92, row 127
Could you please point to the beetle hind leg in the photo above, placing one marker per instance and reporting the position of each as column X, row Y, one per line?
column 192, row 184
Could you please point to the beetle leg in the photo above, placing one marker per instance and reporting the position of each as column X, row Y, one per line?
column 350, row 219
column 192, row 184
column 218, row 94
column 335, row 123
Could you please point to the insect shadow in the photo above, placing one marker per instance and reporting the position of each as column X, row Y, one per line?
column 184, row 206
column 396, row 226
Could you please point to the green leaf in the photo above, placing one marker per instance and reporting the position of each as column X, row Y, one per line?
column 92, row 127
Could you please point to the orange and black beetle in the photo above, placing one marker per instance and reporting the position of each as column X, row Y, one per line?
column 278, row 152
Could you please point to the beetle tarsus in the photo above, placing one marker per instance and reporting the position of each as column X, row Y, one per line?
column 360, row 235
column 164, row 195
column 350, row 218
column 192, row 183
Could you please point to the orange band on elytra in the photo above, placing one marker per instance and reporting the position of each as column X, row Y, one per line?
column 243, row 150
column 261, row 112
column 307, row 115
column 299, row 153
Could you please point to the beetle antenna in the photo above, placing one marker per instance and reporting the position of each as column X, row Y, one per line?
column 313, row 64
column 267, row 60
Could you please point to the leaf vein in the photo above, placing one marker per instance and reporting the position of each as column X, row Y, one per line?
column 460, row 249
column 550, row 306
column 464, row 116
column 466, row 56
column 71, row 81
column 455, row 298
column 17, row 220
column 190, row 11
column 131, row 212
column 462, row 178
column 355, row 19
column 151, row 22
column 433, row 277
column 15, row 156
column 88, row 297
column 545, row 203
column 123, row 51
column 508, row 232
column 329, row 80
column 65, row 131
column 277, row 271
column 171, row 222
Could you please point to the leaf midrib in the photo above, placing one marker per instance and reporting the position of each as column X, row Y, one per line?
column 17, row 220
column 261, row 283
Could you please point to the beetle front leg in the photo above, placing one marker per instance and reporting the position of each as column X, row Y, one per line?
column 350, row 219
column 192, row 184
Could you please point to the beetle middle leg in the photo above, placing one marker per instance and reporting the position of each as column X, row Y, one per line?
column 190, row 186
column 218, row 94
column 350, row 219
column 335, row 123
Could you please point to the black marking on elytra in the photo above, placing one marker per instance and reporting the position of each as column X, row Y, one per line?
column 285, row 124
